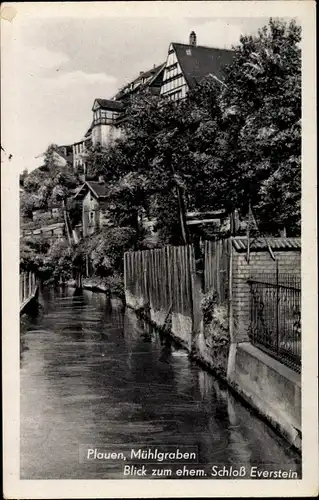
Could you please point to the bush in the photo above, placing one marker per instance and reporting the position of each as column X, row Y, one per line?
column 215, row 315
column 107, row 247
column 116, row 285
column 208, row 302
column 57, row 263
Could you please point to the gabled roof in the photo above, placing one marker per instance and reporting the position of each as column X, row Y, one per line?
column 109, row 104
column 197, row 62
column 98, row 189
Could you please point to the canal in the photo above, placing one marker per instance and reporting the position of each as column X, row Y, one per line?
column 92, row 375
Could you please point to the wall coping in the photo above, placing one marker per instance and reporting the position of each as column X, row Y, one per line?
column 272, row 363
column 262, row 244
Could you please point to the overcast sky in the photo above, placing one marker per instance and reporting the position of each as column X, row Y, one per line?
column 62, row 64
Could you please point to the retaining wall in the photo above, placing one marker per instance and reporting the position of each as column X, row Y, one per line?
column 272, row 388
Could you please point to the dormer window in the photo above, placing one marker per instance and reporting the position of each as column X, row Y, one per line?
column 188, row 52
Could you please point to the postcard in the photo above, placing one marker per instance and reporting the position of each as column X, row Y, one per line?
column 158, row 168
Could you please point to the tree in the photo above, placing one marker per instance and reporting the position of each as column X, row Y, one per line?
column 32, row 252
column 164, row 149
column 23, row 176
column 57, row 263
column 261, row 105
column 52, row 182
column 106, row 249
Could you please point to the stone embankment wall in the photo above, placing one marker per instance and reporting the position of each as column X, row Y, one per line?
column 162, row 285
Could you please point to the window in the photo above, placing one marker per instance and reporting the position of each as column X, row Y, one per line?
column 91, row 217
column 171, row 67
column 175, row 96
column 172, row 78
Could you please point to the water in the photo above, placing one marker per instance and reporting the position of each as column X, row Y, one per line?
column 90, row 375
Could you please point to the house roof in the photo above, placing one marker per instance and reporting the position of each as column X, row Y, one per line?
column 66, row 151
column 260, row 243
column 152, row 72
column 150, row 75
column 99, row 189
column 109, row 104
column 198, row 62
column 88, row 132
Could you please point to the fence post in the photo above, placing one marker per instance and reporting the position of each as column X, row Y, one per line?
column 25, row 286
column 230, row 291
column 124, row 271
column 195, row 295
column 145, row 271
column 169, row 277
column 87, row 266
column 277, row 307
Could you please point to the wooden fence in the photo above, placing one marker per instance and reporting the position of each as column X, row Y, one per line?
column 216, row 268
column 28, row 285
column 162, row 277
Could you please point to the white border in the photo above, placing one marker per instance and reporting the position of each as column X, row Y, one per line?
column 16, row 488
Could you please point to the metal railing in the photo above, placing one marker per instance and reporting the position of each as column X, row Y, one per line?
column 275, row 321
column 28, row 285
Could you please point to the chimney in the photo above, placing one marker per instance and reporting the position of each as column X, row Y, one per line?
column 192, row 39
column 101, row 179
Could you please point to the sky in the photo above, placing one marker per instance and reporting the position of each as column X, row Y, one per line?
column 61, row 64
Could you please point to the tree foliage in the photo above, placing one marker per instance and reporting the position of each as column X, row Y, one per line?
column 105, row 249
column 51, row 183
column 261, row 105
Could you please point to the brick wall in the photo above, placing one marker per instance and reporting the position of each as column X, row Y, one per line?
column 289, row 261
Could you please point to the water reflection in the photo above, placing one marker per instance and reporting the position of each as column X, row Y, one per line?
column 90, row 374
